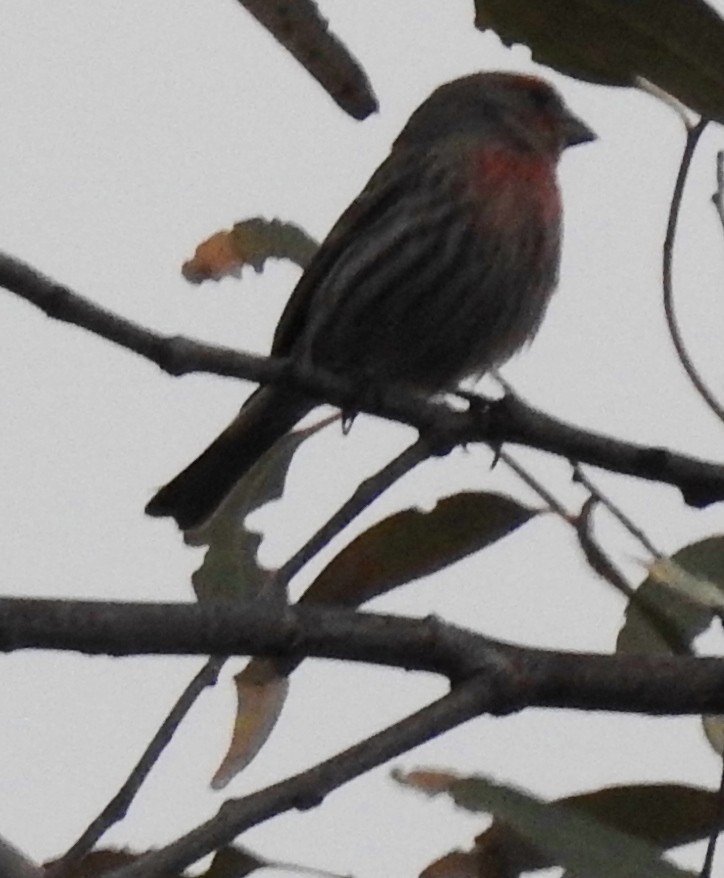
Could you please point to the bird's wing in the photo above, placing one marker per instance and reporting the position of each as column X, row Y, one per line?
column 380, row 195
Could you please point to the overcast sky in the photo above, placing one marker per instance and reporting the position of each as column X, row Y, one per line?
column 134, row 130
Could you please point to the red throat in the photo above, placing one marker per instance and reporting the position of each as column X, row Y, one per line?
column 522, row 178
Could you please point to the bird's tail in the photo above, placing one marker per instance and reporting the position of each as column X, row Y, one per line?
column 197, row 492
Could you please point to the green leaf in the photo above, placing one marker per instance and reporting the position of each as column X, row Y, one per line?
column 675, row 44
column 230, row 568
column 666, row 815
column 679, row 620
column 566, row 836
column 412, row 543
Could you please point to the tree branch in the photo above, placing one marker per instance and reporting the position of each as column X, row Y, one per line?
column 496, row 422
column 308, row 789
column 118, row 806
column 524, row 677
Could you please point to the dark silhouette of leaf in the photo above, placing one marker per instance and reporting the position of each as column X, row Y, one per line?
column 581, row 832
column 411, row 544
column 675, row 44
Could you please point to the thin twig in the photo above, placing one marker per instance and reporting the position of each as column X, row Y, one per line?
column 647, row 606
column 581, row 523
column 599, row 562
column 116, row 809
column 718, row 197
column 597, row 559
column 692, row 139
column 309, row 788
column 500, row 685
column 665, row 626
column 617, row 512
column 365, row 494
column 524, row 474
column 681, row 110
column 715, row 829
column 534, row 484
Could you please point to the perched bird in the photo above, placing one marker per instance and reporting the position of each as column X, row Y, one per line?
column 440, row 269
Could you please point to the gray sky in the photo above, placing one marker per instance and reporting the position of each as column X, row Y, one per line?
column 132, row 132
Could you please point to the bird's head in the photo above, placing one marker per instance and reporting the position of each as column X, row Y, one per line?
column 522, row 112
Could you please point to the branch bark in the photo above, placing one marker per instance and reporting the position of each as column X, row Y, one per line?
column 522, row 677
column 496, row 422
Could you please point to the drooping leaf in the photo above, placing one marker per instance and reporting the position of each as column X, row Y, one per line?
column 675, row 44
column 713, row 726
column 640, row 633
column 695, row 589
column 261, row 692
column 230, row 568
column 560, row 834
column 249, row 242
column 412, row 543
column 666, row 815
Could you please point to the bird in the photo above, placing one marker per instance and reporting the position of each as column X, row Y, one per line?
column 440, row 270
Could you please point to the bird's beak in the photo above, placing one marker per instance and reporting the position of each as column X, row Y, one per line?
column 576, row 131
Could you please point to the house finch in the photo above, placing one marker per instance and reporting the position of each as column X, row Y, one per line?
column 442, row 267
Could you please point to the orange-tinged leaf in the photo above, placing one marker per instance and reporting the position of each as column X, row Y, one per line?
column 261, row 694
column 675, row 44
column 412, row 543
column 430, row 782
column 250, row 242
column 216, row 257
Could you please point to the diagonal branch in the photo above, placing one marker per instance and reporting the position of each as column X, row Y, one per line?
column 308, row 789
column 489, row 677
column 118, row 806
column 497, row 422
column 299, row 27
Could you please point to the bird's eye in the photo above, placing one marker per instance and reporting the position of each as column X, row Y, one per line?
column 543, row 98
